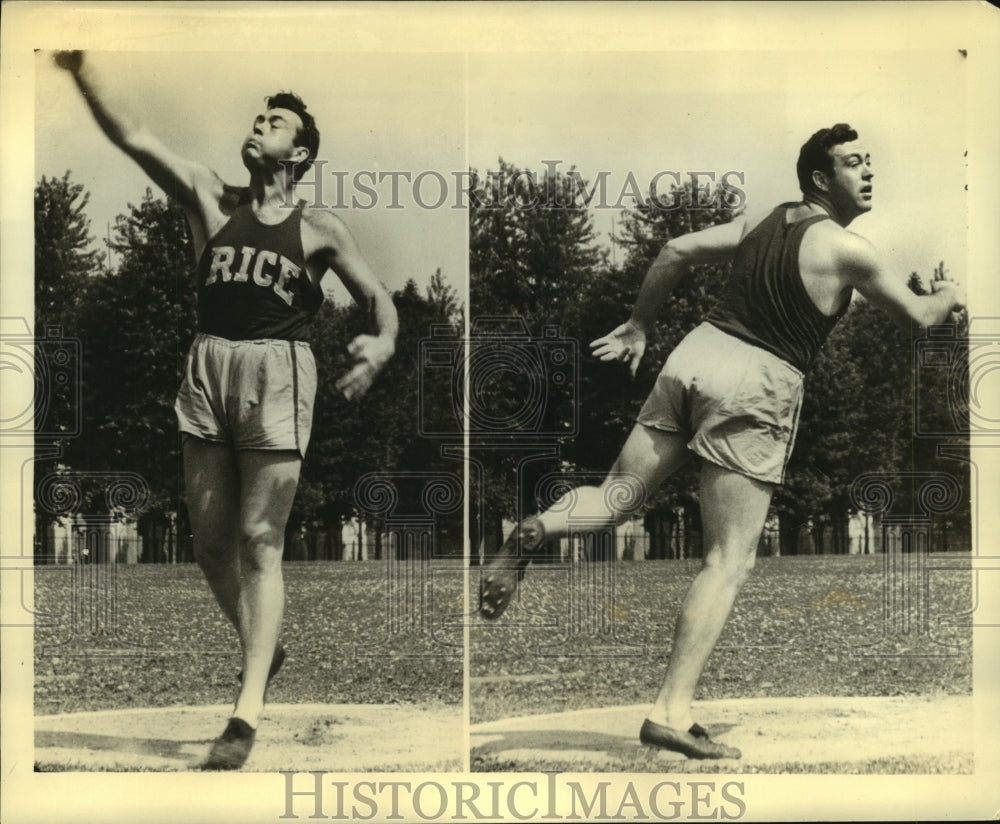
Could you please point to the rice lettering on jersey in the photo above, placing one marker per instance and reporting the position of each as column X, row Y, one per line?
column 253, row 283
column 252, row 265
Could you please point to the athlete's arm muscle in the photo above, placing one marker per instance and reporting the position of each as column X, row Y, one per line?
column 861, row 267
column 336, row 250
column 179, row 178
column 715, row 244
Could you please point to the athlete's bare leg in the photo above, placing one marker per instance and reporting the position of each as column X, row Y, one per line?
column 239, row 505
column 212, row 483
column 268, row 483
column 734, row 508
column 648, row 457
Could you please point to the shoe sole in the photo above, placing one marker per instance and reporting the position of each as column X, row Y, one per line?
column 498, row 585
column 500, row 577
column 231, row 750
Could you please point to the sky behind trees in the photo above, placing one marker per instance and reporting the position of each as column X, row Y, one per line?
column 615, row 113
column 720, row 111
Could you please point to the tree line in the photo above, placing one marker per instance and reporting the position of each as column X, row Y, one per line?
column 135, row 321
column 541, row 287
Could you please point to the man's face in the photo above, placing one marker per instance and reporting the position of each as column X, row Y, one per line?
column 850, row 185
column 272, row 139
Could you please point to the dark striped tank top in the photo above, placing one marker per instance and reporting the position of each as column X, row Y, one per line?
column 765, row 302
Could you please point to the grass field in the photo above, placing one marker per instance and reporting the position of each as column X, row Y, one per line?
column 802, row 626
column 583, row 637
column 148, row 636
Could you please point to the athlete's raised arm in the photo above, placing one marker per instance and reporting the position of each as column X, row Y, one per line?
column 716, row 244
column 862, row 268
column 337, row 250
column 179, row 178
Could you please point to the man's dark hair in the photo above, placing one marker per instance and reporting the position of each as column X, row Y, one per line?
column 815, row 153
column 307, row 136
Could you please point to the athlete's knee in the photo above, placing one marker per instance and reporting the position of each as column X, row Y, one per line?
column 213, row 552
column 735, row 562
column 261, row 545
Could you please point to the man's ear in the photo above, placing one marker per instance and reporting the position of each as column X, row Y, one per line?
column 820, row 180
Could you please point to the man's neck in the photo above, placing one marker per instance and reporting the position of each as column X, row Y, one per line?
column 270, row 193
column 820, row 202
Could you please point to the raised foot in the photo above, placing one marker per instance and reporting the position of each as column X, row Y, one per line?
column 500, row 576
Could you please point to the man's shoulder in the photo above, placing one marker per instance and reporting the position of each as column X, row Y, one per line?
column 753, row 217
column 838, row 239
column 323, row 219
column 230, row 197
column 830, row 246
column 324, row 229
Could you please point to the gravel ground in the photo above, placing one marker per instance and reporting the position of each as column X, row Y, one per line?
column 579, row 638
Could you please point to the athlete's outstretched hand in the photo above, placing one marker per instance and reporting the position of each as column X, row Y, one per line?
column 941, row 282
column 370, row 353
column 626, row 343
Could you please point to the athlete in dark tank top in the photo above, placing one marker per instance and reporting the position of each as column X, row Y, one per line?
column 259, row 270
column 793, row 276
column 253, row 282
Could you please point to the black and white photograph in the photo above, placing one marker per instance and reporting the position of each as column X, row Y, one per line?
column 213, row 520
column 673, row 545
column 499, row 411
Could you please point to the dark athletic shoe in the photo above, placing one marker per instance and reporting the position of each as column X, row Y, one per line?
column 231, row 749
column 694, row 743
column 500, row 576
column 276, row 661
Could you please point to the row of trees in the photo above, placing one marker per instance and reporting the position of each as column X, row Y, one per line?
column 541, row 287
column 135, row 322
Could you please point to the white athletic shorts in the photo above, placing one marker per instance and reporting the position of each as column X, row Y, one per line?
column 250, row 394
column 737, row 404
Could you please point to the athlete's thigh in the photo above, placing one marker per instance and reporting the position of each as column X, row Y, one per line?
column 649, row 457
column 212, row 486
column 733, row 509
column 269, row 479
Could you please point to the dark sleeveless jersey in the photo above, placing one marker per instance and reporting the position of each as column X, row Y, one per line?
column 252, row 280
column 765, row 302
